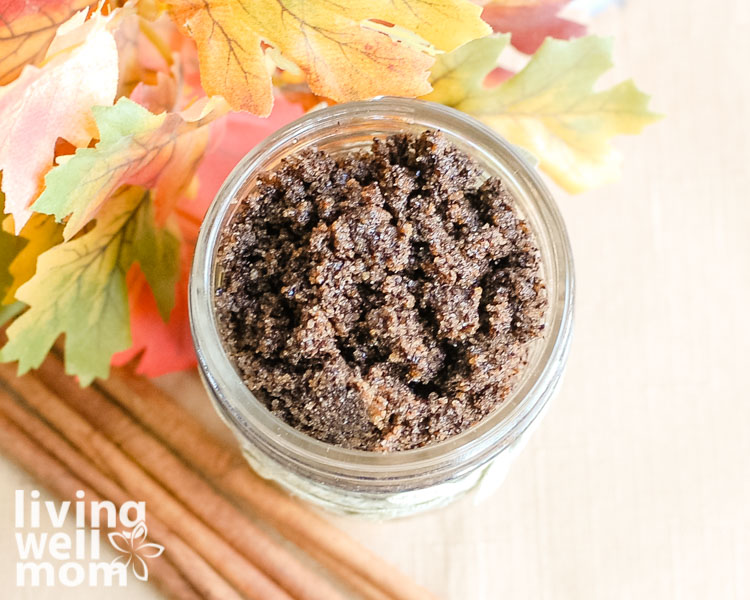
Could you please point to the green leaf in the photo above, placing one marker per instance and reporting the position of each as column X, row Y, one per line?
column 79, row 288
column 550, row 106
column 136, row 147
column 460, row 74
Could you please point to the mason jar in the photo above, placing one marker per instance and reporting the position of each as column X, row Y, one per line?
column 397, row 483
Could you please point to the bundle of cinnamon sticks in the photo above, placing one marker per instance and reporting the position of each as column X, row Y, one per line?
column 125, row 439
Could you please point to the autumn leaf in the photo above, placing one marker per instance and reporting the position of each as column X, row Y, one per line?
column 531, row 21
column 347, row 50
column 45, row 104
column 159, row 97
column 79, row 288
column 10, row 246
column 27, row 27
column 549, row 107
column 136, row 147
column 18, row 253
column 39, row 234
column 159, row 346
column 8, row 312
column 141, row 57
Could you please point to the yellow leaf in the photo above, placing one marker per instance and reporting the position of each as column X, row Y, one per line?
column 550, row 107
column 347, row 50
column 10, row 246
column 39, row 234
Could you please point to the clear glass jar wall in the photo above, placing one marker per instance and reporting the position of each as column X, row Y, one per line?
column 399, row 483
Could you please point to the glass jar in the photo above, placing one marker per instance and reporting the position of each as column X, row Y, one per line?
column 397, row 483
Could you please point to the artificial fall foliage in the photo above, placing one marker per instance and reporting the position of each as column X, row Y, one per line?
column 121, row 119
column 343, row 49
column 79, row 287
column 549, row 107
column 530, row 22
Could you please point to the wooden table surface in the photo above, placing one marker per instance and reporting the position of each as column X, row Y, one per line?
column 637, row 483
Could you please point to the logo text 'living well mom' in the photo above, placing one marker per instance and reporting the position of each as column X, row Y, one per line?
column 73, row 560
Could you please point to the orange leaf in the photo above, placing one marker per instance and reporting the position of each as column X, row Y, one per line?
column 27, row 29
column 139, row 59
column 47, row 103
column 158, row 98
column 347, row 51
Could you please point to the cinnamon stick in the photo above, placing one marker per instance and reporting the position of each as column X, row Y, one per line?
column 363, row 589
column 190, row 488
column 229, row 471
column 203, row 581
column 238, row 571
column 24, row 451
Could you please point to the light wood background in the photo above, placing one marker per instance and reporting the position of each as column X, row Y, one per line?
column 637, row 484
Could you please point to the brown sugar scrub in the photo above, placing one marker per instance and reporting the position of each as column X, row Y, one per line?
column 381, row 299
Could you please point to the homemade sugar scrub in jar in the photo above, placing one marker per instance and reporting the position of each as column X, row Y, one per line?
column 381, row 302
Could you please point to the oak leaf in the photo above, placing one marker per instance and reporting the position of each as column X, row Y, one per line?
column 136, row 147
column 48, row 103
column 531, row 21
column 347, row 50
column 79, row 288
column 549, row 107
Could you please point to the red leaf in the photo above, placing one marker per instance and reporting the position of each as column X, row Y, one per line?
column 163, row 347
column 530, row 23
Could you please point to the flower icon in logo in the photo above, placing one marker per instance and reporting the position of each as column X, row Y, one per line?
column 135, row 549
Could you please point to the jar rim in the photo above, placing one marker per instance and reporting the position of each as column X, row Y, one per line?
column 342, row 466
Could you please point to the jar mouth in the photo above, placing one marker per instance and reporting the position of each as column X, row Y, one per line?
column 464, row 451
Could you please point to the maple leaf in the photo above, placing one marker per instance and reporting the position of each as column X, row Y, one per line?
column 45, row 104
column 549, row 107
column 347, row 50
column 79, row 288
column 136, row 147
column 27, row 28
column 531, row 21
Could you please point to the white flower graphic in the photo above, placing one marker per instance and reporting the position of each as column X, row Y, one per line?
column 135, row 549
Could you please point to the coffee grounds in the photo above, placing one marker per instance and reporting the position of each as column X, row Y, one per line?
column 381, row 299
